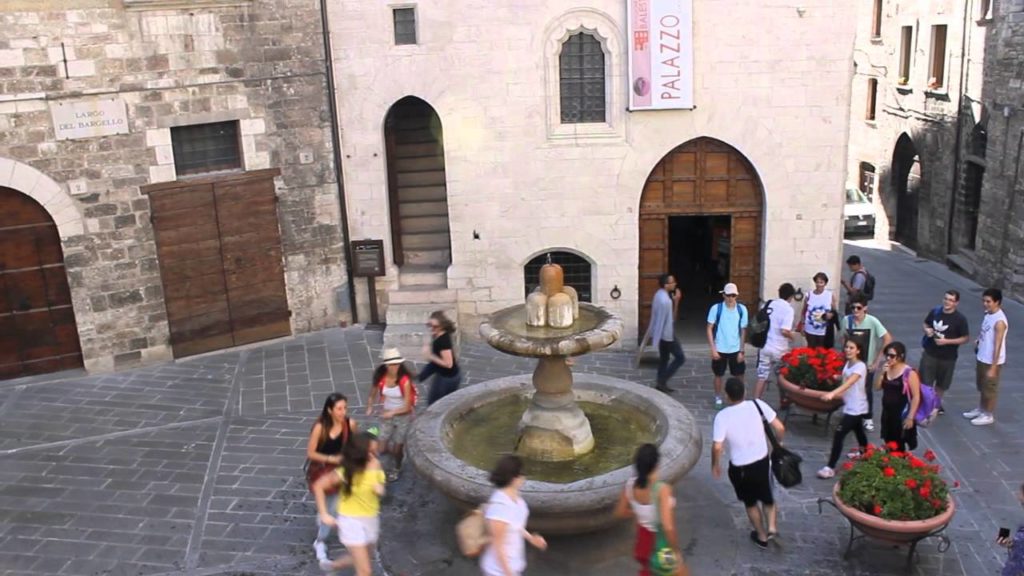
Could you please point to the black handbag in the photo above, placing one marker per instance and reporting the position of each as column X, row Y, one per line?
column 785, row 463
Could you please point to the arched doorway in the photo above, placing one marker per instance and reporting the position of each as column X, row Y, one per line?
column 417, row 191
column 700, row 219
column 906, row 184
column 37, row 323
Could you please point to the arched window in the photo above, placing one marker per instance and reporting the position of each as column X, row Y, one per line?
column 575, row 270
column 581, row 80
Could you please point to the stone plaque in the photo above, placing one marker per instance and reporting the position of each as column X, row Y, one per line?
column 89, row 118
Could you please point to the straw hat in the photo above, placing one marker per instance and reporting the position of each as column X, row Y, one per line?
column 391, row 356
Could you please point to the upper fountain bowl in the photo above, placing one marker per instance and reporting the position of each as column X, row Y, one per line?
column 506, row 330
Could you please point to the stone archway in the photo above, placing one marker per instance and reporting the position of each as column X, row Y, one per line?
column 38, row 333
column 46, row 193
column 906, row 187
column 708, row 179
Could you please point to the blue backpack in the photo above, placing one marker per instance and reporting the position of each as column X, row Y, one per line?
column 928, row 407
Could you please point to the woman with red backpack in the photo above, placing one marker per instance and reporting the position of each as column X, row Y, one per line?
column 394, row 389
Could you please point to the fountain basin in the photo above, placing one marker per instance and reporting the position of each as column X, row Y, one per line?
column 578, row 506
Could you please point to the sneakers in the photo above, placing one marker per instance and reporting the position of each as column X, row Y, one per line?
column 320, row 547
column 983, row 419
column 825, row 473
column 869, row 425
column 762, row 544
column 718, row 403
column 853, row 454
column 942, row 411
column 327, row 566
column 972, row 414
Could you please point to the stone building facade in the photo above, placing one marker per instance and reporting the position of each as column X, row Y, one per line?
column 1000, row 254
column 469, row 154
column 98, row 101
column 917, row 119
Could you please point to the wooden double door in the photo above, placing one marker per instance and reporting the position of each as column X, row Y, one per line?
column 703, row 177
column 220, row 254
column 37, row 322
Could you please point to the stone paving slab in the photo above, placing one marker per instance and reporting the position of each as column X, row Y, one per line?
column 194, row 467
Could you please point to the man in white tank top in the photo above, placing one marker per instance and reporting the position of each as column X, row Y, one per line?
column 990, row 355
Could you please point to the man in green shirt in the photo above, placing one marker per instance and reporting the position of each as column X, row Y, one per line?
column 867, row 330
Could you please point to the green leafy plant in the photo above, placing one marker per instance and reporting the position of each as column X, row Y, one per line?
column 814, row 368
column 894, row 485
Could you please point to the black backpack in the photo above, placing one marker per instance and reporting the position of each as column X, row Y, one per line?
column 757, row 333
column 869, row 285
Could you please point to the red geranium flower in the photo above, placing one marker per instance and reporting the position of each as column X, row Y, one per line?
column 848, row 466
column 925, row 492
column 892, row 445
column 877, row 510
column 889, row 472
column 929, row 455
column 911, row 483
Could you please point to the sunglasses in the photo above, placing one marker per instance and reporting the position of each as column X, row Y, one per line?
column 859, row 307
column 890, row 355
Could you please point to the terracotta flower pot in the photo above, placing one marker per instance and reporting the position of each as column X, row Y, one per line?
column 893, row 531
column 808, row 399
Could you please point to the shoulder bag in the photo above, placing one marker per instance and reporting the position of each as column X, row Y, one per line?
column 663, row 561
column 471, row 533
column 785, row 463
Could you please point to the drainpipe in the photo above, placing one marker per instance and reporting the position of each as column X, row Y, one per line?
column 336, row 145
column 959, row 128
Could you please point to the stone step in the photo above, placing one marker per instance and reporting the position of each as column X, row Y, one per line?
column 422, row 275
column 441, row 257
column 422, row 194
column 420, row 164
column 417, row 314
column 422, row 295
column 424, row 224
column 430, row 208
column 428, row 178
column 426, row 241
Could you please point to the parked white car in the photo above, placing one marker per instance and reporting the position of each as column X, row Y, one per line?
column 858, row 214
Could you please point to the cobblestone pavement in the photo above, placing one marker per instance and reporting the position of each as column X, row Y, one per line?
column 193, row 467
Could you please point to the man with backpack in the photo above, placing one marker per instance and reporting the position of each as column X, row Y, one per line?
column 945, row 329
column 861, row 282
column 727, row 331
column 779, row 332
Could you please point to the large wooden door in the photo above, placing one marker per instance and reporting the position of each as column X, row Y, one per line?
column 37, row 323
column 701, row 177
column 220, row 255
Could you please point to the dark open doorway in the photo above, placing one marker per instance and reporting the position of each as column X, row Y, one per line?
column 699, row 257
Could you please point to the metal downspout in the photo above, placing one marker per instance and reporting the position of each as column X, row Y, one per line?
column 336, row 145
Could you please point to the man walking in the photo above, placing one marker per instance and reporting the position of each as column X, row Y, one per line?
column 945, row 329
column 867, row 330
column 727, row 331
column 780, row 332
column 740, row 427
column 664, row 308
column 991, row 355
column 858, row 282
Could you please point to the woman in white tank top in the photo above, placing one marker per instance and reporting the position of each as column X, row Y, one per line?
column 637, row 501
column 819, row 309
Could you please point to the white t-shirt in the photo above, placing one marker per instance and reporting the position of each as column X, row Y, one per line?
column 781, row 318
column 987, row 338
column 503, row 509
column 817, row 306
column 855, row 399
column 740, row 427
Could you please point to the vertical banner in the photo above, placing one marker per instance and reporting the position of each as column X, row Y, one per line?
column 660, row 54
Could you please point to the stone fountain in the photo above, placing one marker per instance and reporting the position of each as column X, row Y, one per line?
column 574, row 473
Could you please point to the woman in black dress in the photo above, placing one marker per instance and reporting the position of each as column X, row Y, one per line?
column 901, row 395
column 440, row 355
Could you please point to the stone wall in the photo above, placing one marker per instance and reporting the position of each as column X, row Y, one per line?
column 261, row 63
column 771, row 80
column 1001, row 249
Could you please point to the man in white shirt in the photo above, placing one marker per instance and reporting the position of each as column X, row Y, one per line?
column 990, row 356
column 780, row 332
column 739, row 426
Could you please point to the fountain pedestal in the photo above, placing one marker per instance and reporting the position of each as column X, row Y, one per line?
column 553, row 426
